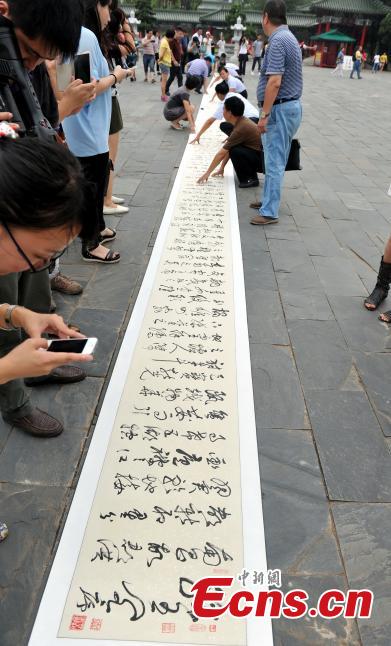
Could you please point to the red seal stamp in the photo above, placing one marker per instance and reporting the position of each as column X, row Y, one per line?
column 77, row 622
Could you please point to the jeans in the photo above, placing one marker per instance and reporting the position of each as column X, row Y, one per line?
column 242, row 64
column 175, row 72
column 256, row 59
column 282, row 125
column 149, row 63
column 356, row 68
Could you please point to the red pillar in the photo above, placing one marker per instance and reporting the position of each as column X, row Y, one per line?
column 363, row 36
column 328, row 26
column 319, row 30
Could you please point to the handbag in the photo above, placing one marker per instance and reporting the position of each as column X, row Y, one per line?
column 293, row 162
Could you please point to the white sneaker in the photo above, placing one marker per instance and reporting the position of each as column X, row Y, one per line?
column 117, row 200
column 115, row 210
column 252, row 73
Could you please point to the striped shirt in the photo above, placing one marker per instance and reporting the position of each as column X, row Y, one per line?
column 283, row 56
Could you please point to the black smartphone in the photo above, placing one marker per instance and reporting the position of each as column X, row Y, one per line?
column 83, row 67
column 81, row 346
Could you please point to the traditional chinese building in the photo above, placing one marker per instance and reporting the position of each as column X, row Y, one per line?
column 213, row 14
column 357, row 19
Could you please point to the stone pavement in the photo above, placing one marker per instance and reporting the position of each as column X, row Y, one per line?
column 321, row 388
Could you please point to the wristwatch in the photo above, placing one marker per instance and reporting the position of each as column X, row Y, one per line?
column 264, row 115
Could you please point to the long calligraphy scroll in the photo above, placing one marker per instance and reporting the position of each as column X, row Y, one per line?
column 169, row 492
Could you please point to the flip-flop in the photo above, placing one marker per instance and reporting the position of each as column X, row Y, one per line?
column 176, row 128
column 107, row 237
column 110, row 259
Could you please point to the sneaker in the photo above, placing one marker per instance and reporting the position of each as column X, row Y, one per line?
column 117, row 200
column 37, row 423
column 61, row 375
column 252, row 73
column 248, row 183
column 3, row 531
column 65, row 285
column 115, row 210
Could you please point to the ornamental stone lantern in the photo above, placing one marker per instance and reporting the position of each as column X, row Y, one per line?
column 133, row 22
column 238, row 28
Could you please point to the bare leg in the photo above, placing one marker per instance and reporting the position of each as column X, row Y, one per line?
column 113, row 151
column 164, row 83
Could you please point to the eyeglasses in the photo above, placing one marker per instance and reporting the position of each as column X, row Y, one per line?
column 33, row 269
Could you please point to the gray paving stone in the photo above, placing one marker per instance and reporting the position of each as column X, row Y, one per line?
column 306, row 305
column 338, row 277
column 287, row 255
column 51, row 462
column 311, row 632
column 362, row 330
column 33, row 515
column 322, row 358
column 355, row 201
column 320, row 242
column 278, row 397
column 73, row 404
column 364, row 532
column 374, row 369
column 258, row 270
column 354, row 455
column 266, row 317
column 295, row 505
column 105, row 325
column 111, row 287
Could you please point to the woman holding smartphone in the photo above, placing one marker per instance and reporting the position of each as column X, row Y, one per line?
column 42, row 190
column 87, row 133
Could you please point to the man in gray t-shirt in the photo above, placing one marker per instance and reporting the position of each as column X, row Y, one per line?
column 257, row 52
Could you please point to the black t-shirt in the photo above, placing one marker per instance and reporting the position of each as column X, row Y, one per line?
column 41, row 83
column 178, row 97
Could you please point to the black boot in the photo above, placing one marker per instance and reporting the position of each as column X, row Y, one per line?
column 381, row 288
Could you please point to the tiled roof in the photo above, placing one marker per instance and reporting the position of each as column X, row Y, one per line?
column 254, row 18
column 366, row 7
column 182, row 16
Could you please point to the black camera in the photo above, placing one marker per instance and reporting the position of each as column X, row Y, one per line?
column 21, row 100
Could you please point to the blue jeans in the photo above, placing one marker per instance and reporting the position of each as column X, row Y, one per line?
column 282, row 125
column 356, row 68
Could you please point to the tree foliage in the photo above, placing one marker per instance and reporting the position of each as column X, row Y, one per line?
column 144, row 12
column 385, row 32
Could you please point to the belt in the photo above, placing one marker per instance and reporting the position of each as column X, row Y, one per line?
column 278, row 101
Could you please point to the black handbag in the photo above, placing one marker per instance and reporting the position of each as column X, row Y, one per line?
column 293, row 162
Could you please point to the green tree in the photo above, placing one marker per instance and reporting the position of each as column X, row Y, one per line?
column 144, row 12
column 385, row 32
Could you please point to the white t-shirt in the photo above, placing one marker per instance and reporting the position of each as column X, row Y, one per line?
column 220, row 47
column 235, row 83
column 208, row 44
column 243, row 47
column 376, row 58
column 232, row 69
column 249, row 110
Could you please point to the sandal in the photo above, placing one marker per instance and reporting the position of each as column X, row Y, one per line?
column 107, row 237
column 387, row 315
column 110, row 258
column 375, row 298
column 175, row 127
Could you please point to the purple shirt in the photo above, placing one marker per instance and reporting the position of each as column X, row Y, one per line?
column 198, row 67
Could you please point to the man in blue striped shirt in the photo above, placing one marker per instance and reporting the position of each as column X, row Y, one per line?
column 279, row 90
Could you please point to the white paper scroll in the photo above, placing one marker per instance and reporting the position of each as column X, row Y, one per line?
column 169, row 492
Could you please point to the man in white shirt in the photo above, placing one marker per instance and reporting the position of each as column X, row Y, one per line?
column 234, row 84
column 223, row 93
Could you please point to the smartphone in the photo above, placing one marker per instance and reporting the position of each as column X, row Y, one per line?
column 83, row 67
column 81, row 346
column 65, row 71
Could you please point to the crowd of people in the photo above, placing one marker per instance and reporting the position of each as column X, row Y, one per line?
column 58, row 186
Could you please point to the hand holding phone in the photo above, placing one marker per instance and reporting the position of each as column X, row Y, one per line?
column 83, row 67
